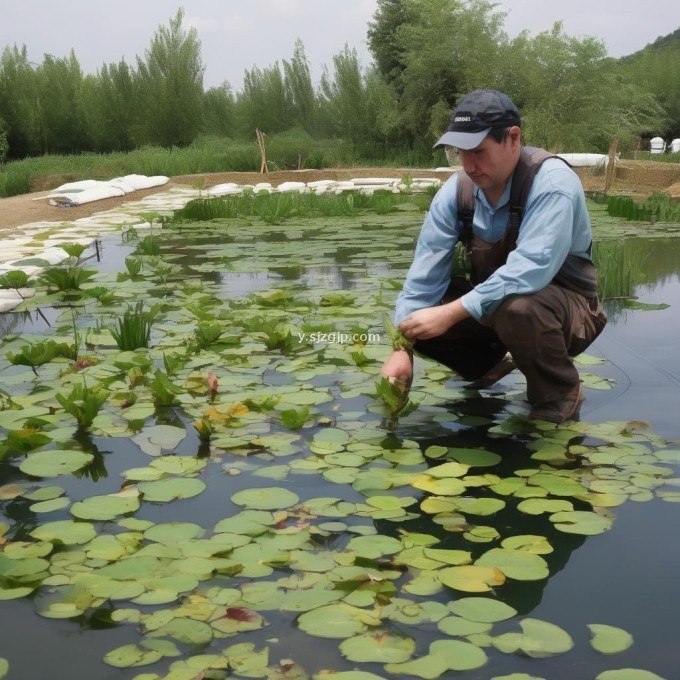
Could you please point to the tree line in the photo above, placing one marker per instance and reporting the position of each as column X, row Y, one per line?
column 426, row 53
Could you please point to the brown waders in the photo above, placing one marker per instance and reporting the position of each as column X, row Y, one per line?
column 541, row 331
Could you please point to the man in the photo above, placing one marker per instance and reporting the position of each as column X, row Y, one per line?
column 530, row 300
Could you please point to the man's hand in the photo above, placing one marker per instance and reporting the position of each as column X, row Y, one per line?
column 432, row 321
column 399, row 366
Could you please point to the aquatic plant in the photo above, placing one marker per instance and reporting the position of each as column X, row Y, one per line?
column 148, row 246
column 70, row 277
column 133, row 330
column 83, row 402
column 41, row 352
column 14, row 279
column 74, row 250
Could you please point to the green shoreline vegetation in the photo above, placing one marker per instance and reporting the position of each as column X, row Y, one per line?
column 154, row 116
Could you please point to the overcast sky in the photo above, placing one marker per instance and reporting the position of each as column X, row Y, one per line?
column 237, row 34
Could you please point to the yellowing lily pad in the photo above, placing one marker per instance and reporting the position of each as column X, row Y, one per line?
column 471, row 579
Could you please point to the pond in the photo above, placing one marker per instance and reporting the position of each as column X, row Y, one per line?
column 237, row 500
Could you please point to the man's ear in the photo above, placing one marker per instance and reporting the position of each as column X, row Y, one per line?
column 515, row 136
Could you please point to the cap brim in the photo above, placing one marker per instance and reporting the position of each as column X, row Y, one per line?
column 462, row 140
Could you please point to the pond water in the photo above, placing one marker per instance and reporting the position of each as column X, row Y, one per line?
column 311, row 531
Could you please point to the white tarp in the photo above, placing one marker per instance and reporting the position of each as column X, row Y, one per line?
column 584, row 160
column 89, row 190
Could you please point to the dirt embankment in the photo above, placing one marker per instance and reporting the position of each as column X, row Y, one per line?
column 635, row 178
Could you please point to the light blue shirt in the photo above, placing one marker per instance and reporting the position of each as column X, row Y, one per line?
column 555, row 224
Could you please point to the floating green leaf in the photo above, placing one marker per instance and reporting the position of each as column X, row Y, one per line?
column 538, row 639
column 166, row 490
column 67, row 532
column 336, row 621
column 378, row 646
column 516, row 564
column 129, row 656
column 628, row 674
column 266, row 498
column 581, row 522
column 54, row 462
column 609, row 639
column 482, row 609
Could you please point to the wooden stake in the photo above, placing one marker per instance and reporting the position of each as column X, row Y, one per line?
column 610, row 174
column 260, row 143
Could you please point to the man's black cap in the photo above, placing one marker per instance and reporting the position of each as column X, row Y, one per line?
column 474, row 117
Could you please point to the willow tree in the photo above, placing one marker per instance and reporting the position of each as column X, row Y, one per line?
column 60, row 105
column 433, row 51
column 343, row 98
column 112, row 107
column 19, row 102
column 170, row 84
column 263, row 103
column 302, row 100
column 571, row 95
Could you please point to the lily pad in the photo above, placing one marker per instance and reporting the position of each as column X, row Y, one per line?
column 538, row 639
column 336, row 621
column 516, row 564
column 109, row 506
column 609, row 639
column 54, row 463
column 581, row 522
column 628, row 674
column 166, row 490
column 471, row 579
column 66, row 532
column 378, row 646
column 482, row 609
column 129, row 656
column 443, row 655
column 266, row 498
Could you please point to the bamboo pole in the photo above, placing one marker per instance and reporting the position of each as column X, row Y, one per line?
column 260, row 143
column 610, row 174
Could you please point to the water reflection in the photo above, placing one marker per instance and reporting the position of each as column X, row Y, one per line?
column 622, row 578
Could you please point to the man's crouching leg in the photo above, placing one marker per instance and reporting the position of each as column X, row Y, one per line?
column 542, row 331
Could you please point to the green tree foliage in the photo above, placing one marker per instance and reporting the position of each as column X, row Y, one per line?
column 113, row 108
column 343, row 100
column 219, row 111
column 170, row 85
column 18, row 102
column 451, row 46
column 383, row 41
column 656, row 68
column 263, row 102
column 427, row 53
column 300, row 91
column 570, row 95
column 60, row 105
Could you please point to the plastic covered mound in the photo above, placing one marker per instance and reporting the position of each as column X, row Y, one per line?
column 585, row 160
column 89, row 190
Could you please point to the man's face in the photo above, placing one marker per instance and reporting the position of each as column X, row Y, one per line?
column 490, row 164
